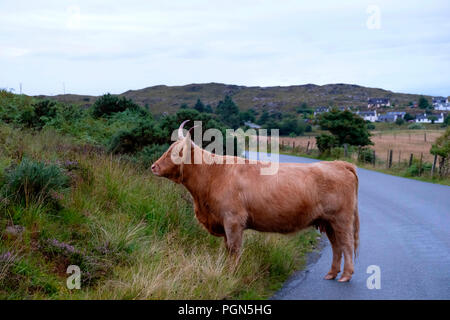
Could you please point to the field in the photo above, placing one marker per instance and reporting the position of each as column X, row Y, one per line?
column 402, row 142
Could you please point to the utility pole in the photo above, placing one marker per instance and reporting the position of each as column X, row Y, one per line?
column 64, row 87
column 20, row 86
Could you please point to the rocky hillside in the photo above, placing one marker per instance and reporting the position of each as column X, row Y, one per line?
column 169, row 98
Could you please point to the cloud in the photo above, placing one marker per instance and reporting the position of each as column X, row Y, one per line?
column 96, row 46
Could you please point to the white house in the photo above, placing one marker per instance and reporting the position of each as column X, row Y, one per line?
column 378, row 102
column 320, row 110
column 441, row 104
column 252, row 125
column 371, row 116
column 424, row 118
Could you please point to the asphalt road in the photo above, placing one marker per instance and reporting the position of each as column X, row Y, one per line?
column 405, row 231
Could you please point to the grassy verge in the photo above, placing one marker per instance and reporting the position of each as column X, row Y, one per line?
column 134, row 236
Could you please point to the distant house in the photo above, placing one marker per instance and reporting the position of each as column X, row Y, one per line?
column 424, row 118
column 252, row 125
column 387, row 117
column 371, row 116
column 442, row 106
column 439, row 100
column 320, row 110
column 441, row 103
column 399, row 114
column 378, row 102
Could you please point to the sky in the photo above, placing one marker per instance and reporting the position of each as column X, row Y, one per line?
column 97, row 46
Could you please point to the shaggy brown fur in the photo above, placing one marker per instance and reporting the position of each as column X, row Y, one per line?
column 229, row 198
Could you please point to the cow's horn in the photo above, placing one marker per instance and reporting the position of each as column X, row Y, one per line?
column 180, row 130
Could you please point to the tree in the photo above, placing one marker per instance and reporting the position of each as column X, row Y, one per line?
column 423, row 103
column 447, row 120
column 228, row 112
column 291, row 125
column 247, row 116
column 432, row 118
column 408, row 117
column 199, row 106
column 399, row 121
column 441, row 148
column 208, row 109
column 325, row 142
column 263, row 118
column 346, row 127
column 109, row 104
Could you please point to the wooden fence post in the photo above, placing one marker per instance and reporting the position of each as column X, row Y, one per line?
column 390, row 158
column 420, row 164
column 410, row 160
column 345, row 150
column 434, row 165
column 307, row 147
column 293, row 145
column 425, row 136
column 374, row 158
column 399, row 156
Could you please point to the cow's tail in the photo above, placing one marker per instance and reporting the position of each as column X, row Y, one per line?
column 352, row 168
column 356, row 229
column 355, row 215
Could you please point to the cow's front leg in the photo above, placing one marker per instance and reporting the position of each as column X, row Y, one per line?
column 233, row 235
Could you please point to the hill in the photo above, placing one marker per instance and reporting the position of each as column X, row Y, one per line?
column 163, row 98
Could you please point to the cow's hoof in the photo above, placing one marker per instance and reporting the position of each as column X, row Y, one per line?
column 330, row 276
column 345, row 278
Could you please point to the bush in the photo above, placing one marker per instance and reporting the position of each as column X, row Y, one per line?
column 44, row 111
column 346, row 127
column 414, row 170
column 150, row 154
column 325, row 142
column 308, row 128
column 337, row 153
column 32, row 180
column 109, row 104
column 132, row 141
column 414, row 126
column 366, row 155
column 399, row 121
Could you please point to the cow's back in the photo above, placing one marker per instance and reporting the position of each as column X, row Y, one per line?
column 299, row 193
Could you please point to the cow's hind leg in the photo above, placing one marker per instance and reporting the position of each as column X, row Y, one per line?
column 337, row 253
column 345, row 241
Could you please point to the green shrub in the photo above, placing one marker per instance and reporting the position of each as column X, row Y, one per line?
column 337, row 153
column 366, row 155
column 415, row 170
column 31, row 180
column 109, row 104
column 399, row 121
column 325, row 142
column 414, row 126
column 44, row 111
column 151, row 153
column 132, row 141
column 370, row 126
